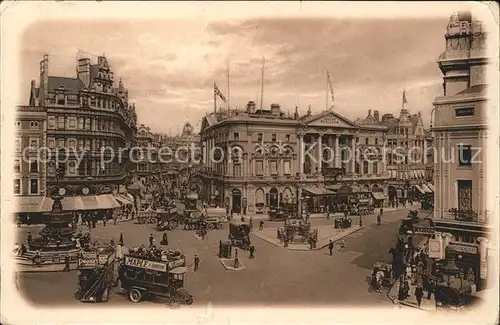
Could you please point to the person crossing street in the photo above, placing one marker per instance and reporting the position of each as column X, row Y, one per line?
column 330, row 247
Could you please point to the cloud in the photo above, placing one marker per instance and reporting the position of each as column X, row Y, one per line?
column 170, row 66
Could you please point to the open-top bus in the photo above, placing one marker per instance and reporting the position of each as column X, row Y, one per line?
column 141, row 277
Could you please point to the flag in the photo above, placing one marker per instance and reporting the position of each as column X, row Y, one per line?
column 330, row 84
column 218, row 93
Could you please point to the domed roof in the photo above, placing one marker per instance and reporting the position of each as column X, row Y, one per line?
column 187, row 129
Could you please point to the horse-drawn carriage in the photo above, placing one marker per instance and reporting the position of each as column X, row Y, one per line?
column 286, row 211
column 215, row 218
column 239, row 234
column 362, row 207
column 168, row 219
column 147, row 216
column 381, row 275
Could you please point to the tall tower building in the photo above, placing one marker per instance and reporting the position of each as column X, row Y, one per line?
column 460, row 133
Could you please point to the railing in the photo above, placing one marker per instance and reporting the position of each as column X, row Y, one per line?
column 464, row 215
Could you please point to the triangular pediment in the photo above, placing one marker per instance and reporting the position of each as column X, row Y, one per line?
column 330, row 119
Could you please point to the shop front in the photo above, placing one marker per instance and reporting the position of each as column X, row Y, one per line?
column 316, row 198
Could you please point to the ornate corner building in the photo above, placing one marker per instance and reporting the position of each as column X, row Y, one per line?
column 460, row 135
column 89, row 129
column 260, row 158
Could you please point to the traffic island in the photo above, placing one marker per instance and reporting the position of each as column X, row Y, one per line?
column 229, row 264
column 325, row 234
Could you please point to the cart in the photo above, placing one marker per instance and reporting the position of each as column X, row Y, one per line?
column 386, row 269
column 239, row 234
column 147, row 217
column 215, row 218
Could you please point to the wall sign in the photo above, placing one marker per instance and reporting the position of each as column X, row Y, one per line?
column 466, row 111
column 423, row 230
column 463, row 249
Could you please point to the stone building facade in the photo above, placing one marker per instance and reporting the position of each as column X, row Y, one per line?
column 85, row 115
column 461, row 213
column 255, row 159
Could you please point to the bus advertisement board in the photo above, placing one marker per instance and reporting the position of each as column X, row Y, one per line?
column 145, row 264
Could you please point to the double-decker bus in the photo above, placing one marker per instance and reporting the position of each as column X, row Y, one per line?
column 143, row 276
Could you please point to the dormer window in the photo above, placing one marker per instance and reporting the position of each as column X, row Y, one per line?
column 61, row 99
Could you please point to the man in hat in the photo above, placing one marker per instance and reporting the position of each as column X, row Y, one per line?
column 419, row 293
column 330, row 247
column 196, row 262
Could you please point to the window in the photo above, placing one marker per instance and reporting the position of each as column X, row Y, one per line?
column 34, row 186
column 365, row 167
column 236, row 136
column 375, row 167
column 72, row 166
column 274, row 167
column 17, row 144
column 51, row 142
column 17, row 186
column 72, row 123
column 61, row 100
column 81, row 121
column 51, row 122
column 87, row 145
column 87, row 123
column 464, row 195
column 464, row 155
column 259, row 167
column 60, row 123
column 273, row 137
column 60, row 143
column 367, row 141
column 34, row 143
column 287, row 167
column 288, row 138
column 50, row 168
column 17, row 165
column 259, row 137
column 33, row 166
column 33, row 125
column 72, row 143
column 80, row 144
column 237, row 170
column 81, row 167
column 376, row 140
column 18, row 125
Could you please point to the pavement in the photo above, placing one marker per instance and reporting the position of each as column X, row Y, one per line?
column 229, row 264
column 325, row 234
column 268, row 280
column 428, row 305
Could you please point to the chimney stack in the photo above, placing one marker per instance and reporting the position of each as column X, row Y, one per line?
column 44, row 79
column 376, row 116
column 83, row 71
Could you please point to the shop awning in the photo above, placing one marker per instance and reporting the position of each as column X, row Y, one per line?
column 378, row 196
column 426, row 189
column 317, row 190
column 431, row 187
column 419, row 189
column 30, row 204
column 107, row 201
column 72, row 203
column 89, row 202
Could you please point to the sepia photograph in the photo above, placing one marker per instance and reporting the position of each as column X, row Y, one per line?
column 198, row 157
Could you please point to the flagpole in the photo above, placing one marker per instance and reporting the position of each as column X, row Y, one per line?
column 326, row 108
column 228, row 93
column 215, row 100
column 262, row 84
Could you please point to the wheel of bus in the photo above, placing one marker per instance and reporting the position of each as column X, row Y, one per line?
column 210, row 226
column 174, row 303
column 135, row 295
column 189, row 300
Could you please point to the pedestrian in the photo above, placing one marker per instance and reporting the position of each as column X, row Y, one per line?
column 29, row 238
column 120, row 241
column 343, row 246
column 104, row 219
column 251, row 223
column 330, row 247
column 151, row 240
column 379, row 219
column 419, row 293
column 164, row 240
column 261, row 225
column 196, row 262
column 252, row 251
column 381, row 210
column 430, row 288
column 112, row 242
column 66, row 263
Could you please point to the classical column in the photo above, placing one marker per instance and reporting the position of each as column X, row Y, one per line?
column 320, row 153
column 337, row 152
column 300, row 155
column 483, row 256
column 353, row 155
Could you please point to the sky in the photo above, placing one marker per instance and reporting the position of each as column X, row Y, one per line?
column 169, row 66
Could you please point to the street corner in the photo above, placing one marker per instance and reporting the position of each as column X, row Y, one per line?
column 229, row 264
column 329, row 233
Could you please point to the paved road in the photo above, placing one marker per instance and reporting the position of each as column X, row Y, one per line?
column 275, row 277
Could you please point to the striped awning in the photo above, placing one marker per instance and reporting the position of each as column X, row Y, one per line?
column 419, row 189
column 426, row 189
column 89, row 202
column 317, row 190
column 378, row 196
column 122, row 199
column 431, row 187
column 72, row 203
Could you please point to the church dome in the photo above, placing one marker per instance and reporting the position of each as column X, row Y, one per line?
column 187, row 129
